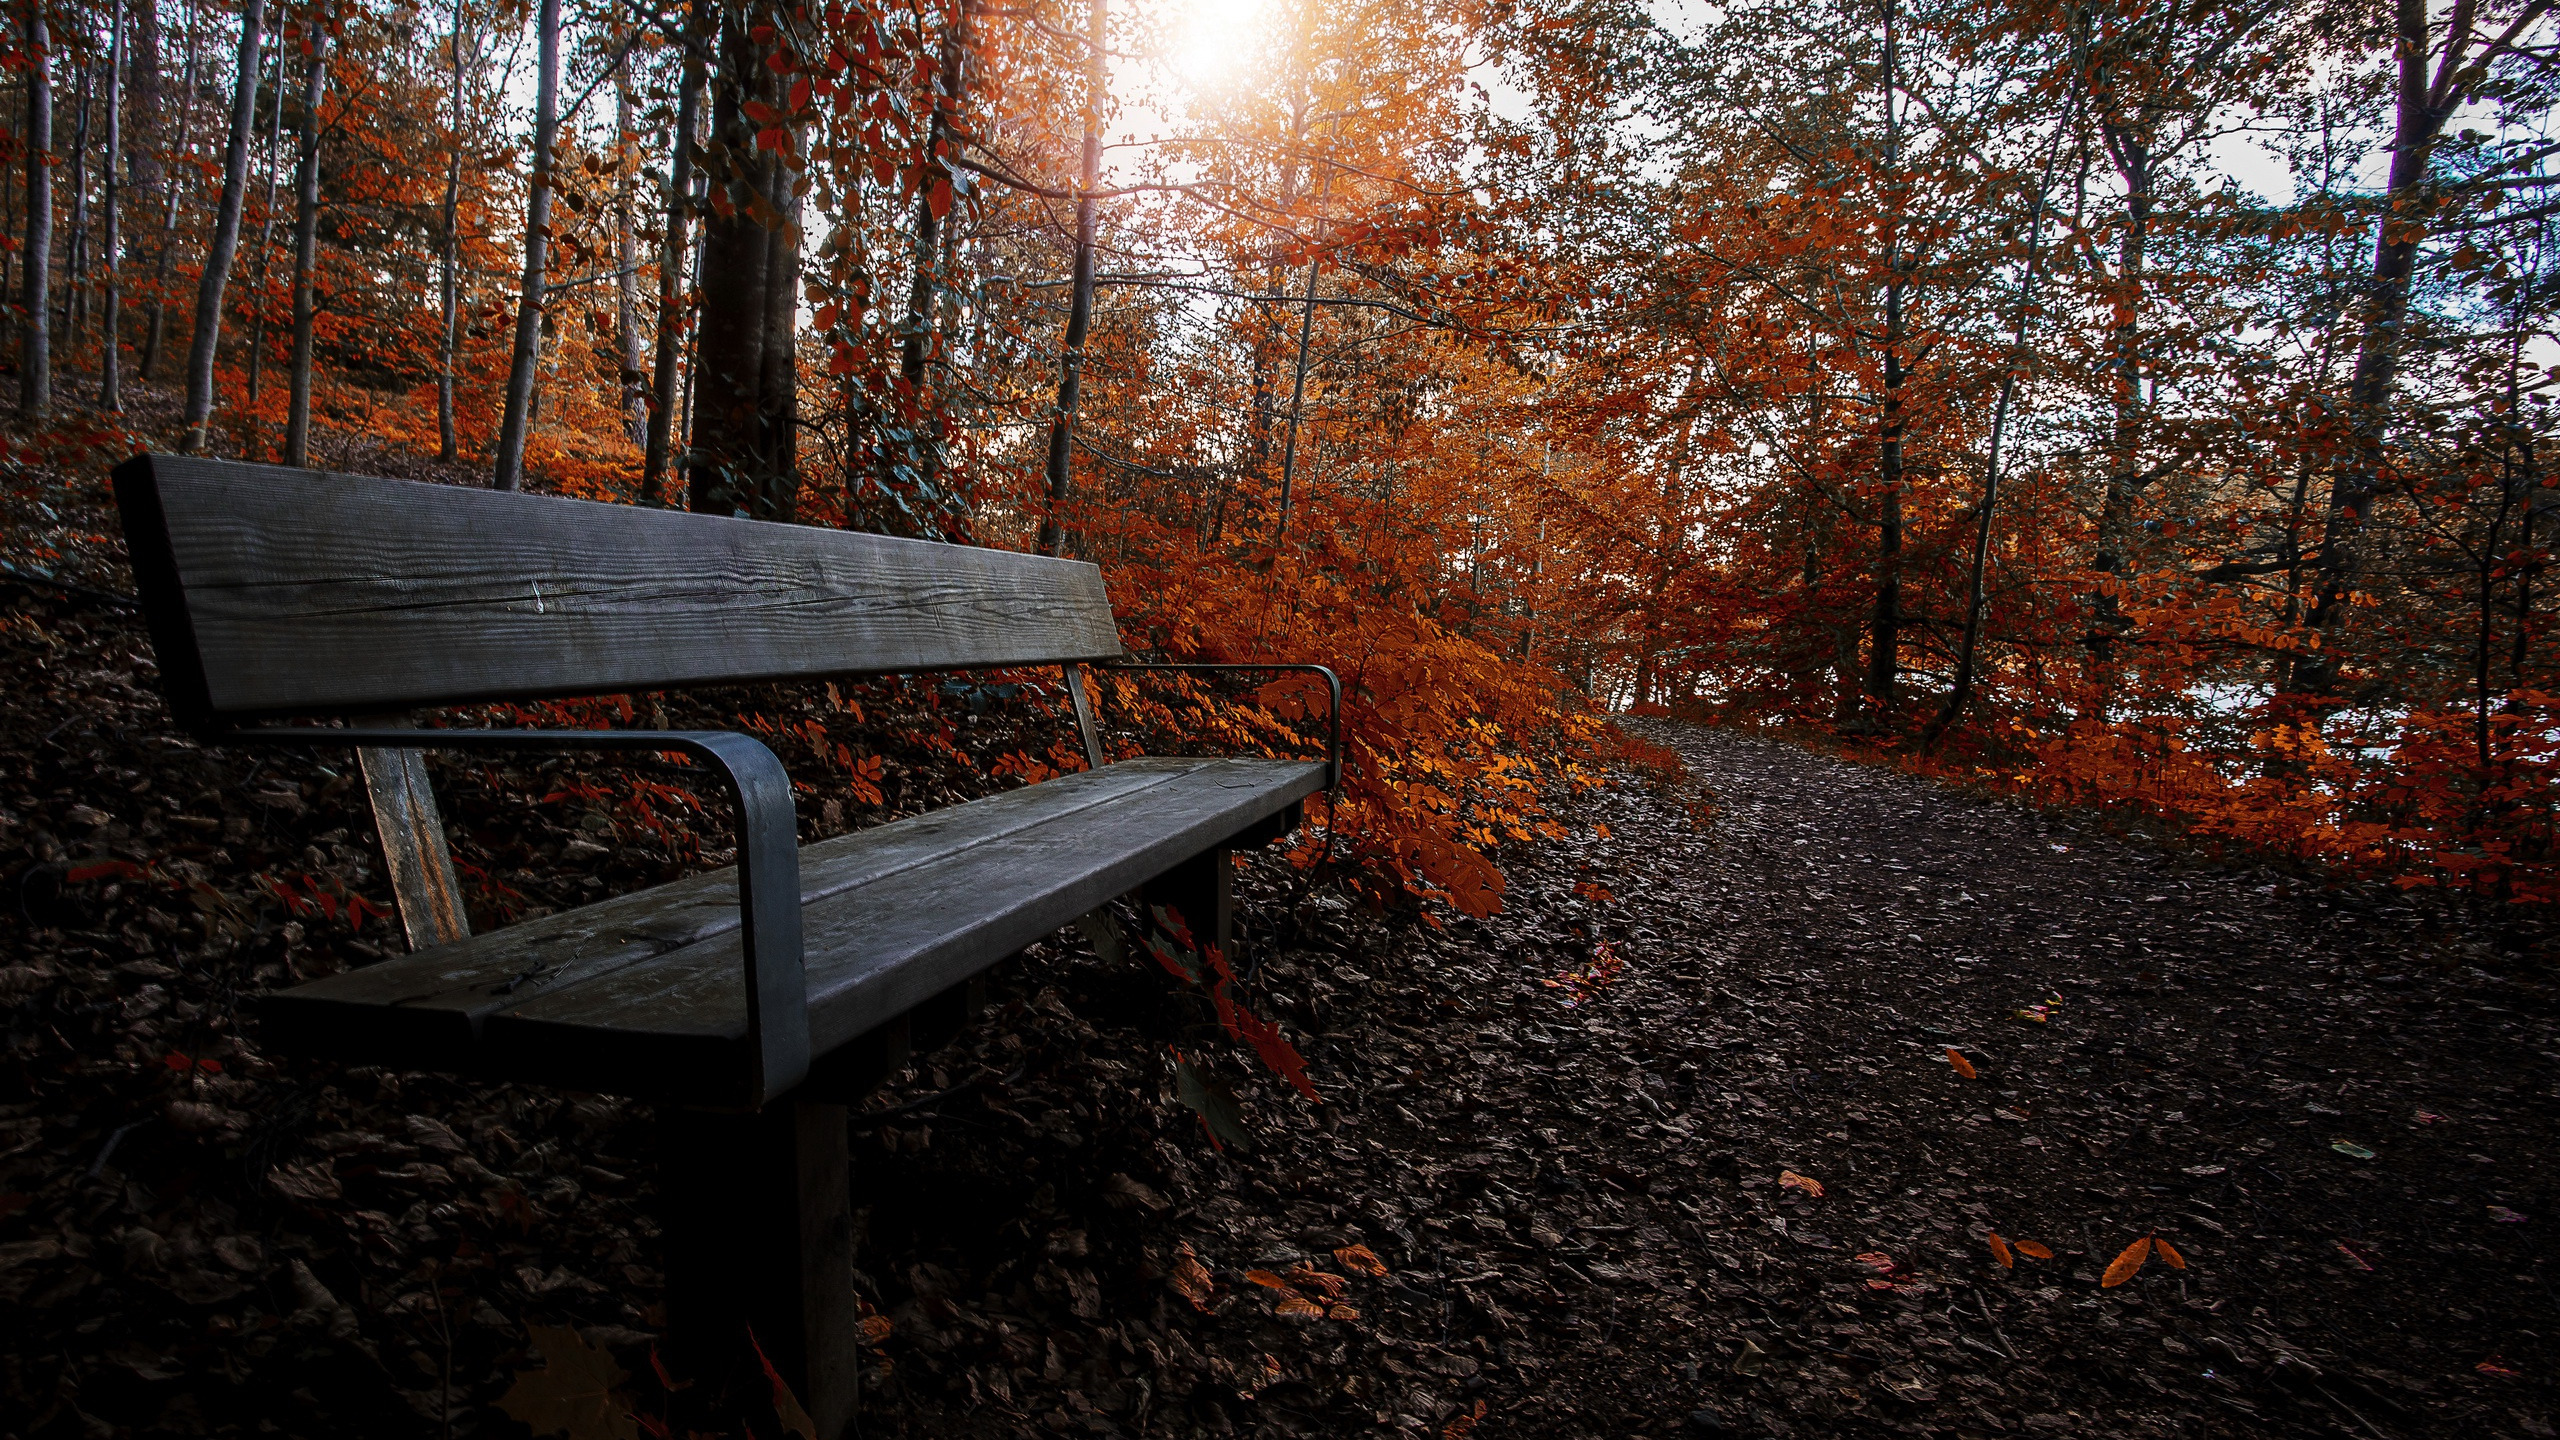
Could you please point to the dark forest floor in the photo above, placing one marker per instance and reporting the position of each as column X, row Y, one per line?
column 1561, row 1131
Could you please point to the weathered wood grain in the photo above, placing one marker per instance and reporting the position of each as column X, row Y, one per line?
column 411, row 829
column 1086, row 729
column 440, row 998
column 878, row 951
column 639, row 995
column 301, row 592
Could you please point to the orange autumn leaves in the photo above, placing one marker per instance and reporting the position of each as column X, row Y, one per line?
column 2007, row 1251
column 2118, row 1271
column 1303, row 1293
column 2001, row 1251
column 2122, row 1268
column 1306, row 1293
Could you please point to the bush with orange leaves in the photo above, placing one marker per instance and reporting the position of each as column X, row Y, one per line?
column 1449, row 745
column 2441, row 798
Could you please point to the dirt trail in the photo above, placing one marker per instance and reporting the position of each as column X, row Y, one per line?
column 2216, row 1058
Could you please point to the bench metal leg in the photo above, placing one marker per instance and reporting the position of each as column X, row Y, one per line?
column 759, row 1240
column 1203, row 889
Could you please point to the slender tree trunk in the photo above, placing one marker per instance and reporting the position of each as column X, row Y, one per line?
column 1884, row 649
column 9, row 187
column 111, row 248
column 75, row 260
column 448, row 445
column 266, row 243
column 1298, row 378
column 626, row 259
column 226, row 234
column 2530, row 481
column 2115, row 516
column 1970, row 646
column 938, row 194
column 306, row 252
column 671, row 281
column 143, row 91
column 509, row 471
column 744, row 411
column 35, row 361
column 2418, row 119
column 1053, row 534
column 168, row 191
column 2485, row 587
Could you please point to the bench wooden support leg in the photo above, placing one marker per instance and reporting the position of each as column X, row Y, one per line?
column 759, row 1240
column 1203, row 889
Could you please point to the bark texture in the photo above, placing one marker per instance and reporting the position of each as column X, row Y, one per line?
column 226, row 233
column 306, row 254
column 518, row 424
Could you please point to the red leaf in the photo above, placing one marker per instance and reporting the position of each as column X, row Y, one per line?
column 121, row 869
column 1171, row 923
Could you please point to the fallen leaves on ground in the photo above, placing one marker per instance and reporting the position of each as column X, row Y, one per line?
column 2122, row 1268
column 1566, row 1214
column 577, row 1390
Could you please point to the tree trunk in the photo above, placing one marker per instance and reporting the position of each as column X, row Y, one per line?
column 226, row 234
column 167, row 190
column 448, row 445
column 509, row 471
column 1884, row 646
column 111, row 248
column 2115, row 523
column 1969, row 648
column 922, row 424
column 671, row 282
column 2417, row 120
column 626, row 259
column 75, row 259
column 143, row 87
column 35, row 361
column 1053, row 534
column 741, row 460
column 266, row 245
column 1298, row 378
column 306, row 248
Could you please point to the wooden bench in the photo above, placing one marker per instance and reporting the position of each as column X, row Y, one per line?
column 291, row 607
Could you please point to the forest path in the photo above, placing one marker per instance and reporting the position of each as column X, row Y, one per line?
column 2221, row 1049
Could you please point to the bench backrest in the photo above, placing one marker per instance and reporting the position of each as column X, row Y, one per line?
column 276, row 592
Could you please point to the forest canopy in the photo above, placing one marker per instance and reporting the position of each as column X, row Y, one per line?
column 2138, row 405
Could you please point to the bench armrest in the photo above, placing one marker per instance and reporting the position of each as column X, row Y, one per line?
column 768, row 860
column 1333, row 721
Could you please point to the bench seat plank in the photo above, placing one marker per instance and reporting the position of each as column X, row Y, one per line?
column 642, row 995
column 447, row 992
